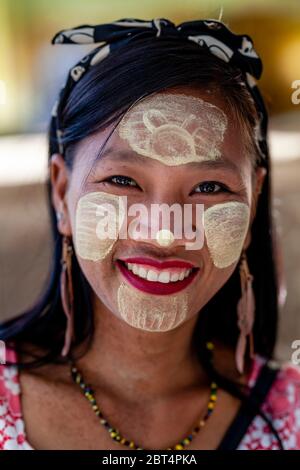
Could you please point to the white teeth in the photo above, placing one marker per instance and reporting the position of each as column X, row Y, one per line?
column 135, row 269
column 142, row 272
column 174, row 277
column 163, row 276
column 152, row 276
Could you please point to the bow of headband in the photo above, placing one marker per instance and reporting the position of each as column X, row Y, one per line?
column 212, row 35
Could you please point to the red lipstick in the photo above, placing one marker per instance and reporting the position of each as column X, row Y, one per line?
column 155, row 287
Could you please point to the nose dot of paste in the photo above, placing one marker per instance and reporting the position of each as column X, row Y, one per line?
column 164, row 237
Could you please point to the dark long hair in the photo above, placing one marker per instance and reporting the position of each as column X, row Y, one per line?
column 101, row 97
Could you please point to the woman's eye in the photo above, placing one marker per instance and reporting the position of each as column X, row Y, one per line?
column 122, row 180
column 209, row 187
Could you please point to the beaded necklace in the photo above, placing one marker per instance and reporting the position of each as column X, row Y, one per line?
column 116, row 435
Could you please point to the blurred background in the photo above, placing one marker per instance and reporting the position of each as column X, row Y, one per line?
column 31, row 74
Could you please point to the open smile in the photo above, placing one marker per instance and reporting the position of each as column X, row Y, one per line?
column 162, row 278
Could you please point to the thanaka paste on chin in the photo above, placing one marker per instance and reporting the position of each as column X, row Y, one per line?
column 174, row 129
column 151, row 312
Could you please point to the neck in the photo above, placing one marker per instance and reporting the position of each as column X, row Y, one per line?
column 128, row 361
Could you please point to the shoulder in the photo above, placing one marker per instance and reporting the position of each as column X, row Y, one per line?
column 11, row 423
column 281, row 406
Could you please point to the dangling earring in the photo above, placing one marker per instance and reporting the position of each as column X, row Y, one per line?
column 66, row 290
column 245, row 313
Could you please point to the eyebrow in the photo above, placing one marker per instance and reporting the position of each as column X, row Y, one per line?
column 119, row 155
column 222, row 162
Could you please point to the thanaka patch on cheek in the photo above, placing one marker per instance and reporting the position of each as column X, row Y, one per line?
column 99, row 216
column 225, row 227
column 151, row 312
column 174, row 129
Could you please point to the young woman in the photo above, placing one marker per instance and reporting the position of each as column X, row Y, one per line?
column 171, row 343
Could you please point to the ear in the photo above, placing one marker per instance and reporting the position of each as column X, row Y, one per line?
column 59, row 182
column 258, row 181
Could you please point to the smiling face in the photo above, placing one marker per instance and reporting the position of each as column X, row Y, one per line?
column 177, row 147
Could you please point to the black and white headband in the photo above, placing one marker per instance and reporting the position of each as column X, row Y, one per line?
column 212, row 35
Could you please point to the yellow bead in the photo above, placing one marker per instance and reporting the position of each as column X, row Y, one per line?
column 211, row 406
column 132, row 445
column 178, row 447
column 186, row 441
column 210, row 345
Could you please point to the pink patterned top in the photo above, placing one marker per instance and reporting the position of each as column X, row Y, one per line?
column 282, row 406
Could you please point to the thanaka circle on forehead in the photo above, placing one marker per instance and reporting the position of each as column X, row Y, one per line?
column 174, row 128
